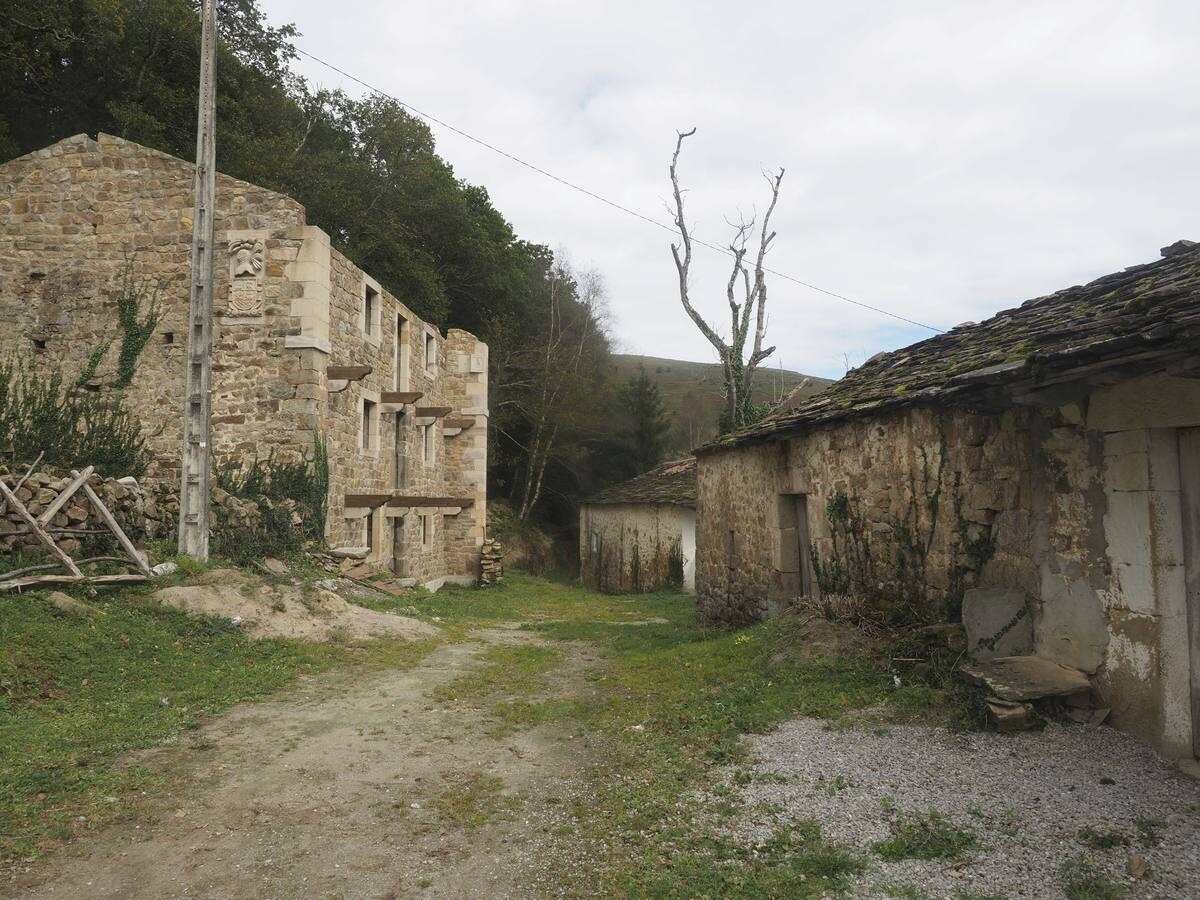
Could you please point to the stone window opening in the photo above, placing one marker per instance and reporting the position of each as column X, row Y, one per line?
column 368, row 424
column 430, row 353
column 427, row 447
column 400, row 359
column 168, row 337
column 370, row 308
column 401, row 460
column 426, row 531
column 39, row 344
column 369, row 537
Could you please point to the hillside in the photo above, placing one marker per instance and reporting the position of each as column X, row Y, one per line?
column 692, row 391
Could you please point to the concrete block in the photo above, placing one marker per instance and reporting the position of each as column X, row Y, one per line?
column 1127, row 526
column 998, row 623
column 1127, row 472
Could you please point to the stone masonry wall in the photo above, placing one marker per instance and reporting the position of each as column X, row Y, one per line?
column 74, row 215
column 287, row 306
column 628, row 547
column 1082, row 503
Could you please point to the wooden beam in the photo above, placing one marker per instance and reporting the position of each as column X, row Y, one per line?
column 33, row 580
column 369, row 501
column 19, row 508
column 24, row 478
column 401, row 396
column 432, row 412
column 122, row 537
column 61, row 500
column 430, row 502
column 347, row 373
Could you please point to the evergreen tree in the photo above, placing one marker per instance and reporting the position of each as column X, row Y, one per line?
column 646, row 424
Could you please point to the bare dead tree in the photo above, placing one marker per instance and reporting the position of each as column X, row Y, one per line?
column 745, row 292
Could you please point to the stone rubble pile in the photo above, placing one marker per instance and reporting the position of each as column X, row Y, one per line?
column 143, row 511
column 491, row 562
column 238, row 512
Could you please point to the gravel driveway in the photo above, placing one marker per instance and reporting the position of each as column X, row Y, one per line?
column 1026, row 798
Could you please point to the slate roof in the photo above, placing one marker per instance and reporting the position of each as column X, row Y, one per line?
column 673, row 482
column 1151, row 310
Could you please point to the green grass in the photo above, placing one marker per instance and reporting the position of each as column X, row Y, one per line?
column 511, row 669
column 1099, row 839
column 1081, row 880
column 674, row 699
column 475, row 801
column 76, row 693
column 925, row 835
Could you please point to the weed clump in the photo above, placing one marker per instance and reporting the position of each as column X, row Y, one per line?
column 925, row 835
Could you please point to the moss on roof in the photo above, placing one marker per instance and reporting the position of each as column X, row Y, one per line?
column 673, row 482
column 1148, row 309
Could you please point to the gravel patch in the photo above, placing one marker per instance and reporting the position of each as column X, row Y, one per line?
column 1026, row 797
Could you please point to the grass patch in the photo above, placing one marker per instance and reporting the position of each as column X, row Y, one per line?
column 925, row 835
column 76, row 693
column 1081, row 880
column 1099, row 839
column 476, row 801
column 521, row 715
column 512, row 669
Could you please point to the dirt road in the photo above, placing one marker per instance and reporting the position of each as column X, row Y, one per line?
column 349, row 786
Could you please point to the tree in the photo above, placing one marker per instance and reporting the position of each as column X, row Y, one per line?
column 747, row 299
column 644, row 434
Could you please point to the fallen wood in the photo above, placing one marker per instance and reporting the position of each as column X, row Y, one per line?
column 122, row 537
column 55, row 550
column 24, row 478
column 67, row 493
column 79, row 562
column 35, row 580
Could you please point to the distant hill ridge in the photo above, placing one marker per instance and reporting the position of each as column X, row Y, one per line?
column 692, row 392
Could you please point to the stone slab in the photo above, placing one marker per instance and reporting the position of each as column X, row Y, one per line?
column 997, row 622
column 1019, row 679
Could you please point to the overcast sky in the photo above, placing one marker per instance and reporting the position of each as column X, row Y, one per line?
column 944, row 159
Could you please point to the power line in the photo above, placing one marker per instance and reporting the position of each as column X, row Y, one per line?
column 582, row 190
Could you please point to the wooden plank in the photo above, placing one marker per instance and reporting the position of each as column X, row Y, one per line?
column 401, row 396
column 122, row 537
column 369, row 501
column 1189, row 496
column 35, row 580
column 432, row 412
column 347, row 373
column 430, row 502
column 56, row 551
column 61, row 500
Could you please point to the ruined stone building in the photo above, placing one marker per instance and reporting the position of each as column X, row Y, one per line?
column 307, row 346
column 1052, row 450
column 640, row 535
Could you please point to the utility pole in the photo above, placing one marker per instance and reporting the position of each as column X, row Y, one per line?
column 197, row 407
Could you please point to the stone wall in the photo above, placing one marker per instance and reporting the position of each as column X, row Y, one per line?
column 1082, row 504
column 75, row 216
column 631, row 547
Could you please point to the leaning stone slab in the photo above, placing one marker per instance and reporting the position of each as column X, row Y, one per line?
column 1022, row 678
column 998, row 623
column 349, row 552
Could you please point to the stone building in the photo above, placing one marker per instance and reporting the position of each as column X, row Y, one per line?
column 1052, row 450
column 640, row 535
column 307, row 346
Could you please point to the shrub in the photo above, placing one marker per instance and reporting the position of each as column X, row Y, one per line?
column 73, row 427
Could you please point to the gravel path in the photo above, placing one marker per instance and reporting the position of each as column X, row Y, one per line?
column 1026, row 797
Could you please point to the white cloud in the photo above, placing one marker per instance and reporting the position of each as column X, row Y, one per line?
column 944, row 159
